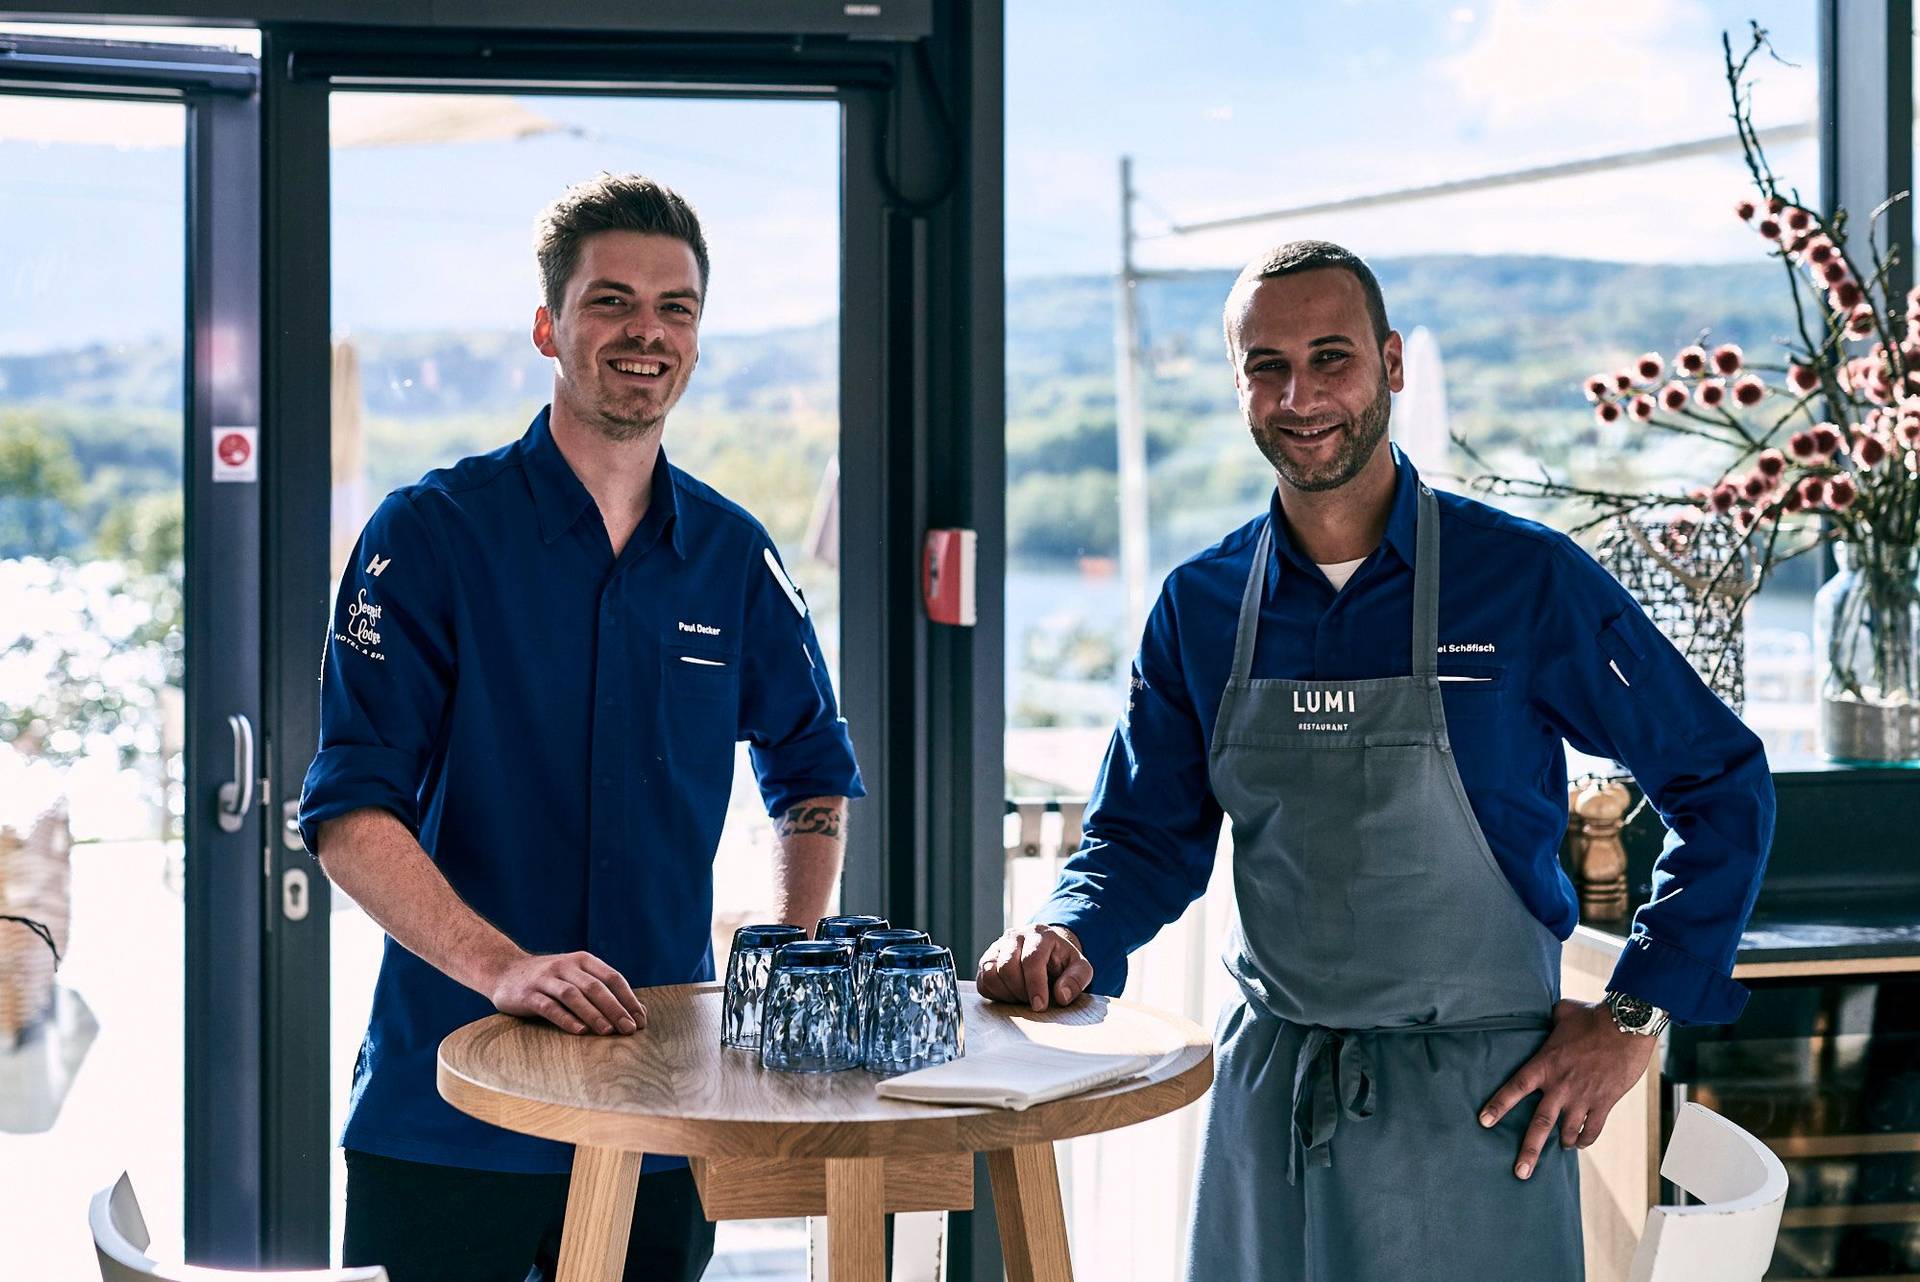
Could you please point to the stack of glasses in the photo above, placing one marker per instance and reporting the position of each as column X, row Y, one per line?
column 858, row 993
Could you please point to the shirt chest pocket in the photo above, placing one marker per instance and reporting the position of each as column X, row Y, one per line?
column 1473, row 693
column 700, row 701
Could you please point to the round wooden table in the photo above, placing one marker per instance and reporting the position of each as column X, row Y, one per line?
column 766, row 1144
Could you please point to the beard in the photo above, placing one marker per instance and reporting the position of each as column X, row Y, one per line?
column 1356, row 444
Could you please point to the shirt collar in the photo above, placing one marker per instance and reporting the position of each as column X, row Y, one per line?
column 559, row 498
column 1401, row 521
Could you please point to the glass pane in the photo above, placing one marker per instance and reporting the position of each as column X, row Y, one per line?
column 91, row 361
column 434, row 289
column 1508, row 297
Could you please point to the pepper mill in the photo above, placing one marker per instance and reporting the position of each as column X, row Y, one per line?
column 1596, row 808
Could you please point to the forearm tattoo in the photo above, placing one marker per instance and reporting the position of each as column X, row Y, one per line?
column 822, row 821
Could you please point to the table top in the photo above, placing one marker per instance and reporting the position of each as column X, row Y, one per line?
column 673, row 1088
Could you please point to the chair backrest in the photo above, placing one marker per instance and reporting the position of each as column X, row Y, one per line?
column 1741, row 1188
column 120, row 1240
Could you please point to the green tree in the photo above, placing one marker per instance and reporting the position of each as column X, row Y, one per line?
column 39, row 487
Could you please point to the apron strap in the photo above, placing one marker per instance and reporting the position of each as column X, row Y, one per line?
column 1426, row 586
column 1333, row 1074
column 1250, row 600
column 1426, row 593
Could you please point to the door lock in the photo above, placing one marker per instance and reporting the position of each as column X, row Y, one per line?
column 293, row 894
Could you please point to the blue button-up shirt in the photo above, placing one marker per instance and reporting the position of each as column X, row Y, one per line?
column 557, row 726
column 1559, row 649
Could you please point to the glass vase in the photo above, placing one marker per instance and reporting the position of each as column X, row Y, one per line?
column 1866, row 636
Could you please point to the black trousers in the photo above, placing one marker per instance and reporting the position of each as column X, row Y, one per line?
column 447, row 1224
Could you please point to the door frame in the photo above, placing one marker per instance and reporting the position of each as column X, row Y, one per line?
column 224, row 889
column 922, row 411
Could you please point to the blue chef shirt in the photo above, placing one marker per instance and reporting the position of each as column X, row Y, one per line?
column 1554, row 648
column 557, row 725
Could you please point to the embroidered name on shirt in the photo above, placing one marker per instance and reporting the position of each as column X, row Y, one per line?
column 699, row 629
column 361, row 636
column 1467, row 647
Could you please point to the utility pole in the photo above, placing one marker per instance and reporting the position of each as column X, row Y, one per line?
column 1129, row 418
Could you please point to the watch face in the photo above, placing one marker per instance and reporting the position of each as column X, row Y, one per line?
column 1631, row 1011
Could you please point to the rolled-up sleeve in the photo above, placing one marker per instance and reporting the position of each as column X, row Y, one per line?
column 1152, row 824
column 387, row 675
column 1615, row 687
column 797, row 739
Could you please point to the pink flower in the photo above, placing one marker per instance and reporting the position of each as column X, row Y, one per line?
column 1826, row 439
column 1699, row 495
column 1722, row 498
column 1802, row 378
column 1744, row 210
column 1775, row 204
column 1597, row 388
column 1641, row 407
column 1727, row 358
column 1691, row 360
column 1623, row 381
column 1833, row 271
column 1841, row 492
column 1754, row 486
column 1799, row 219
column 1800, row 445
column 1860, row 321
column 1673, row 397
column 1820, row 251
column 1710, row 393
column 1743, row 519
column 1607, row 412
column 1799, row 243
column 1768, row 227
column 1869, row 451
column 1908, row 432
column 1770, row 463
column 1813, row 491
column 1749, row 391
column 1845, row 296
column 1649, row 367
column 1793, row 500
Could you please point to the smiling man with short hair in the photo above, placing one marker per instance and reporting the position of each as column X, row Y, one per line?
column 1373, row 679
column 541, row 662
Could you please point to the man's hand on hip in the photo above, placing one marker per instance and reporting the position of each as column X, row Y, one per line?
column 1039, row 966
column 1580, row 1074
column 575, row 992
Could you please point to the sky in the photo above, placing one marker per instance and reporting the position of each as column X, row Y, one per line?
column 1235, row 107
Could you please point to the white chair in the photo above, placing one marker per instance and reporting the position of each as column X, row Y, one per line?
column 120, row 1240
column 1741, row 1188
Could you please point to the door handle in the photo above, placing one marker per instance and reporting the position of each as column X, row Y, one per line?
column 236, row 795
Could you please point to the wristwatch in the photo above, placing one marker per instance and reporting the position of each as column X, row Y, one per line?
column 1633, row 1015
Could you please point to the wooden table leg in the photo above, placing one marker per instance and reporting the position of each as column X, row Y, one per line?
column 1033, row 1224
column 593, row 1239
column 856, row 1220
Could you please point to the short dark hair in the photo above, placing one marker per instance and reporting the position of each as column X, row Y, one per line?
column 611, row 202
column 1305, row 256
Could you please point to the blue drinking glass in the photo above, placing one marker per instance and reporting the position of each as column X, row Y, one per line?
column 747, row 967
column 806, row 1025
column 849, row 926
column 865, row 949
column 913, row 1017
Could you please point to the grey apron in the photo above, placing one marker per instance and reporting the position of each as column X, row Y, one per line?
column 1391, row 980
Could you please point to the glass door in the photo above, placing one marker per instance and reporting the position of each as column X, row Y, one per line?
column 434, row 284
column 130, row 789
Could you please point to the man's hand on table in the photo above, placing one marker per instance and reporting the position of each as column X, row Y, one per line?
column 575, row 992
column 1040, row 966
column 1585, row 1067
